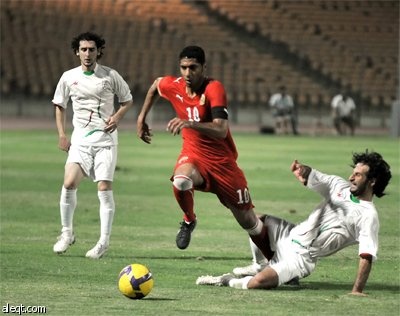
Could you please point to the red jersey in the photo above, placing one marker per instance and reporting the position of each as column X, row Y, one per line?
column 198, row 109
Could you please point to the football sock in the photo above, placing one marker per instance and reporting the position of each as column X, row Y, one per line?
column 259, row 236
column 184, row 195
column 107, row 210
column 258, row 257
column 67, row 209
column 240, row 284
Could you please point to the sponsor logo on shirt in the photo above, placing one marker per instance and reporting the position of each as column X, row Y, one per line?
column 179, row 97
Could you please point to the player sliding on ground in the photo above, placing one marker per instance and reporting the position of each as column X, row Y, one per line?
column 345, row 217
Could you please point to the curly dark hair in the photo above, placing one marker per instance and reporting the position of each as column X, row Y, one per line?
column 379, row 170
column 89, row 36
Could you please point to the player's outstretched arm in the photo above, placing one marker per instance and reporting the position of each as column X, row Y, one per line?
column 364, row 268
column 143, row 130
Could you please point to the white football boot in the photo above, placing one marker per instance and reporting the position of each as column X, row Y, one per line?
column 63, row 242
column 220, row 280
column 97, row 251
column 250, row 270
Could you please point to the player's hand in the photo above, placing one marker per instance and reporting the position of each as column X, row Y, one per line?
column 144, row 132
column 112, row 124
column 64, row 143
column 298, row 171
column 176, row 125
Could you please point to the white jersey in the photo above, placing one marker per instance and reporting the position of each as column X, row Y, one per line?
column 281, row 102
column 338, row 221
column 92, row 95
column 343, row 107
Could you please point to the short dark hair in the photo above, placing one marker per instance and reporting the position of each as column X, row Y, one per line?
column 89, row 36
column 379, row 170
column 195, row 52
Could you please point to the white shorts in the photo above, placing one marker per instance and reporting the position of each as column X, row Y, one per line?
column 98, row 163
column 290, row 259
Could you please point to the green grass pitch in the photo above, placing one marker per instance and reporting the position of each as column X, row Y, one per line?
column 147, row 219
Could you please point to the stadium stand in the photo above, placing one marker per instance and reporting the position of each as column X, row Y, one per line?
column 315, row 48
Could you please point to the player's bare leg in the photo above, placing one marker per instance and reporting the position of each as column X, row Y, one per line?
column 265, row 279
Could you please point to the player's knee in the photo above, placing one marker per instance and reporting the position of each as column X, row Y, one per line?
column 182, row 183
column 70, row 185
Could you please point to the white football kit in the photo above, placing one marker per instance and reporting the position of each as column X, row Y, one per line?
column 92, row 96
column 338, row 221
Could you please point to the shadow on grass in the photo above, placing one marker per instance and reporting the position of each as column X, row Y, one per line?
column 158, row 299
column 343, row 286
column 166, row 257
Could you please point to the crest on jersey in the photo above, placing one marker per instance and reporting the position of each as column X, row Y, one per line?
column 203, row 99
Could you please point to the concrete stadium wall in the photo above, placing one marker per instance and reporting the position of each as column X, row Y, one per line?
column 251, row 118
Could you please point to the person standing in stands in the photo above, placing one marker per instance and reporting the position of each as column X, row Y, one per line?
column 92, row 150
column 283, row 111
column 343, row 112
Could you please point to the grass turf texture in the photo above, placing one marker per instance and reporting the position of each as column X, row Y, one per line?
column 146, row 223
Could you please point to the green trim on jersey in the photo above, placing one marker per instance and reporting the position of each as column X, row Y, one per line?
column 95, row 130
column 354, row 199
column 88, row 73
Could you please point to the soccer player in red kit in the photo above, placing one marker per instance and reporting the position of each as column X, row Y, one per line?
column 207, row 161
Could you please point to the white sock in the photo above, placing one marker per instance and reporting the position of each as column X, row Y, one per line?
column 107, row 210
column 68, row 203
column 240, row 284
column 256, row 229
column 258, row 257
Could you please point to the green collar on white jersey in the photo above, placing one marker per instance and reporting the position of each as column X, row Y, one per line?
column 88, row 73
column 354, row 199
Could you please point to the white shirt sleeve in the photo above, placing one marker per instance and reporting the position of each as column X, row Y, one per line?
column 61, row 95
column 121, row 88
column 323, row 183
column 368, row 237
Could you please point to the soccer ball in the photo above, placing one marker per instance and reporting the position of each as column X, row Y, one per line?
column 135, row 281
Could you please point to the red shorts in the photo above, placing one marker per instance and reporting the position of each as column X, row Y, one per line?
column 226, row 180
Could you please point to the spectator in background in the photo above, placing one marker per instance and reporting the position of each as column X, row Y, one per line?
column 343, row 111
column 283, row 111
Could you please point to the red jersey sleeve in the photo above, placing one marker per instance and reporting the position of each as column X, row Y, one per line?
column 164, row 86
column 215, row 93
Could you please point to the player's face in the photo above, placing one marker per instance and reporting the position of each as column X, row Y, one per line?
column 88, row 54
column 360, row 184
column 193, row 72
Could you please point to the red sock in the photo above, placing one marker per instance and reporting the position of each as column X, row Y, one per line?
column 262, row 242
column 186, row 202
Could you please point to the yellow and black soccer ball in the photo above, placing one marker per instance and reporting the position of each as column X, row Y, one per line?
column 135, row 281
